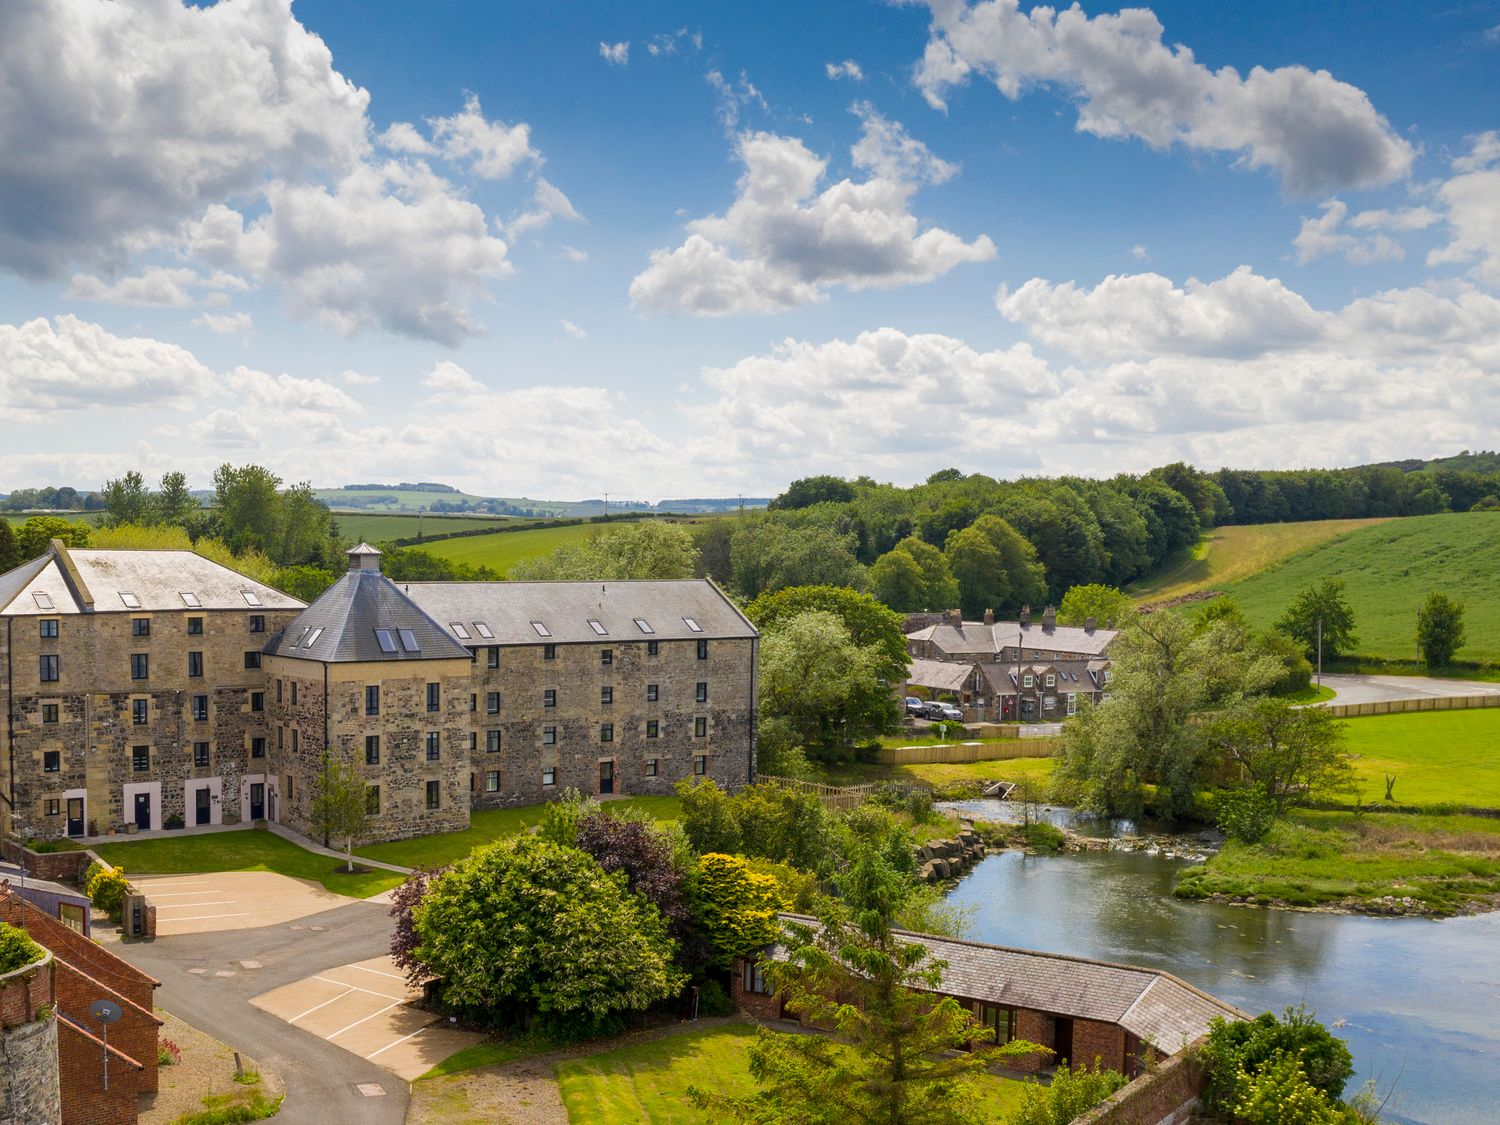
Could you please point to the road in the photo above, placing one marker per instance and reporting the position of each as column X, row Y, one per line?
column 321, row 1080
column 1379, row 689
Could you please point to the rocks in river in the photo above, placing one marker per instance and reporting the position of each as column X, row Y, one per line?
column 1194, row 848
column 948, row 859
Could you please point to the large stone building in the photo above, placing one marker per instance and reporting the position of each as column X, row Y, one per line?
column 1004, row 671
column 152, row 688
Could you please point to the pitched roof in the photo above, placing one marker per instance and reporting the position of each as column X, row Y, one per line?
column 89, row 580
column 980, row 640
column 1162, row 1010
column 573, row 612
column 362, row 617
column 941, row 675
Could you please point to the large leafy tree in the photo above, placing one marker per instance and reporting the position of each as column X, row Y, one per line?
column 1286, row 751
column 778, row 824
column 1324, row 603
column 36, row 535
column 914, row 575
column 1108, row 606
column 249, row 508
column 769, row 553
column 127, row 501
column 995, row 567
column 526, row 928
column 814, row 490
column 1440, row 629
column 10, row 551
column 648, row 549
column 871, row 625
column 734, row 907
column 173, row 503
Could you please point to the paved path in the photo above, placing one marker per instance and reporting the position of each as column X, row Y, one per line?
column 322, row 1080
column 1380, row 689
column 318, row 849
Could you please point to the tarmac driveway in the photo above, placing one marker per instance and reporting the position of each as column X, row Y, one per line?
column 1382, row 689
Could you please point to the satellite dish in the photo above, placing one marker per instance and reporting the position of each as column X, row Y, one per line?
column 105, row 1011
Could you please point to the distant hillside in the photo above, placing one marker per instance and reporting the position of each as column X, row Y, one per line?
column 442, row 498
column 1388, row 569
column 1485, row 462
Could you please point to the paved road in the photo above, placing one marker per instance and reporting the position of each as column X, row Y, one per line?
column 321, row 1079
column 1379, row 689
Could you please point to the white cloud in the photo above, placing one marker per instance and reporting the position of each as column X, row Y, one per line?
column 122, row 119
column 1318, row 132
column 156, row 287
column 1325, row 234
column 288, row 397
column 782, row 243
column 402, row 137
column 846, row 69
column 547, row 203
column 1138, row 252
column 352, row 378
column 575, row 255
column 1491, row 35
column 493, row 149
column 572, row 329
column 224, row 429
column 669, row 43
column 617, row 53
column 228, row 324
column 734, row 97
column 71, row 364
column 1471, row 202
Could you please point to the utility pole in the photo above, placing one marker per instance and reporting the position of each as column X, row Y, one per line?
column 606, row 507
column 1320, row 652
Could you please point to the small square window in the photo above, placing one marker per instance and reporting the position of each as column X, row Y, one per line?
column 140, row 712
column 195, row 665
column 200, row 755
column 47, row 670
column 702, row 650
column 549, row 736
column 257, row 623
column 434, row 746
column 140, row 626
column 702, row 692
column 195, row 626
column 49, row 628
column 252, row 659
column 700, row 727
column 549, row 652
column 549, row 697
column 606, row 656
column 49, row 712
column 372, row 749
column 1026, row 680
column 51, row 761
column 257, row 702
column 54, row 806
column 492, row 702
column 606, row 696
column 653, row 648
column 653, row 693
column 549, row 775
column 140, row 758
column 1051, row 680
column 700, row 764
column 492, row 781
column 372, row 800
column 653, row 728
column 606, row 732
column 651, row 766
column 140, row 666
column 258, row 747
column 492, row 742
column 434, row 697
column 433, row 795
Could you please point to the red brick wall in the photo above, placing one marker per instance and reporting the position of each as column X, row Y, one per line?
column 1105, row 1041
column 1035, row 1027
column 71, row 946
column 1167, row 1094
column 23, row 993
column 85, row 1101
column 136, row 1031
column 64, row 867
column 757, row 1004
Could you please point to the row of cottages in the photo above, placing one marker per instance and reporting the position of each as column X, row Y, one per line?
column 1009, row 671
column 1080, row 1009
column 150, row 689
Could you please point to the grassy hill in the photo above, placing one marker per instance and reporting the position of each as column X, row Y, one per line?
column 378, row 527
column 1388, row 569
column 504, row 549
column 1232, row 554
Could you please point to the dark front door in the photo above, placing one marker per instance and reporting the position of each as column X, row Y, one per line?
column 75, row 816
column 606, row 777
column 200, row 806
column 143, row 811
column 257, row 800
column 1063, row 1043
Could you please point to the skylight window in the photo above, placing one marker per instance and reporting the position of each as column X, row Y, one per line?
column 483, row 630
column 250, row 596
column 692, row 624
column 643, row 625
column 190, row 599
column 130, row 600
column 43, row 600
column 312, row 638
column 409, row 640
column 458, row 630
column 541, row 630
column 306, row 629
column 386, row 641
column 598, row 628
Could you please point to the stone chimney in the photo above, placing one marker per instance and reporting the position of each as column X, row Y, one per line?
column 953, row 617
column 1025, row 616
column 1089, row 624
column 364, row 557
column 989, row 617
column 1049, row 618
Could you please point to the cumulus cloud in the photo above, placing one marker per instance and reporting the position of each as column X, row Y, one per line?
column 575, row 255
column 547, row 203
column 156, row 287
column 352, row 378
column 1319, row 133
column 572, row 329
column 226, row 324
column 403, row 137
column 1471, row 203
column 1328, row 234
column 492, row 149
column 784, row 243
column 617, row 53
column 846, row 69
column 672, row 41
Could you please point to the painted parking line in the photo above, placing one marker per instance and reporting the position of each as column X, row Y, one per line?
column 315, row 1007
column 205, row 917
column 398, row 1042
column 365, row 1019
column 176, row 894
column 195, row 905
column 377, row 972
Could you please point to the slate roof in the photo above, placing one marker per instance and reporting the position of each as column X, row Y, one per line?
column 1072, row 675
column 565, row 610
column 1162, row 1010
column 342, row 626
column 940, row 675
column 89, row 580
column 974, row 638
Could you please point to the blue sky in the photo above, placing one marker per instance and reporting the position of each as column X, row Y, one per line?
column 668, row 249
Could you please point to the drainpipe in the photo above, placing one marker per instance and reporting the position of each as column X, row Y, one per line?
column 325, row 736
column 10, row 708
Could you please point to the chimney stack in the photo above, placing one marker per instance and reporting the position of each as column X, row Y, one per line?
column 1025, row 616
column 953, row 617
column 989, row 617
column 1089, row 624
column 1049, row 618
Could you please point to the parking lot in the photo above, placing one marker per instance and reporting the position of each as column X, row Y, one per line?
column 231, row 900
column 365, row 1008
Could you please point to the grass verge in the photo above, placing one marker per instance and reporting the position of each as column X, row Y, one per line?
column 488, row 825
column 948, row 780
column 492, row 1052
column 1437, row 757
column 242, row 851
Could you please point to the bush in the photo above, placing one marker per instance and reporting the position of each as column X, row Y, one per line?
column 1238, row 1054
column 168, row 1053
column 913, row 800
column 1043, row 837
column 17, row 950
column 713, row 999
column 106, row 888
column 1246, row 815
column 1071, row 1094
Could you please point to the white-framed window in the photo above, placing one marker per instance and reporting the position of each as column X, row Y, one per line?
column 1072, row 703
column 1049, row 702
column 549, row 775
column 1026, row 680
column 492, row 781
column 1051, row 679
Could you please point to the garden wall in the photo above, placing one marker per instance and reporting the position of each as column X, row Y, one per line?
column 29, row 1089
column 1165, row 1095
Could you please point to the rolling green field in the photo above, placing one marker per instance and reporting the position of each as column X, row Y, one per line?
column 18, row 518
column 393, row 500
column 377, row 527
column 503, row 550
column 1388, row 569
column 1437, row 757
column 1231, row 554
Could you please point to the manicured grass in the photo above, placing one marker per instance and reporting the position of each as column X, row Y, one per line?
column 1388, row 570
column 492, row 1052
column 1231, row 554
column 1444, row 863
column 488, row 825
column 1312, row 693
column 1438, row 757
column 648, row 1081
column 242, row 851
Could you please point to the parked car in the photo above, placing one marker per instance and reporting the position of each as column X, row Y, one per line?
column 914, row 706
column 933, row 710
column 952, row 713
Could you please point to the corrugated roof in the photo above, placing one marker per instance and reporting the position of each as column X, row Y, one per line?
column 978, row 639
column 567, row 611
column 1162, row 1010
column 127, row 581
column 364, row 616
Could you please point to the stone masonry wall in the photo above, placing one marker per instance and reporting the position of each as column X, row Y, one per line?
column 30, row 1091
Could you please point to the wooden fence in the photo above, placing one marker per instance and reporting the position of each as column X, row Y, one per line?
column 963, row 752
column 835, row 798
column 1402, row 706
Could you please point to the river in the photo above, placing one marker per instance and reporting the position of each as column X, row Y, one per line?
column 1418, row 1001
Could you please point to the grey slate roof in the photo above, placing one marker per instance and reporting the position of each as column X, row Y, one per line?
column 974, row 638
column 156, row 581
column 941, row 675
column 1162, row 1010
column 564, row 609
column 341, row 625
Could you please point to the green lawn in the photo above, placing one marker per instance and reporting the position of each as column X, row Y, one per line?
column 1388, row 570
column 1438, row 757
column 488, row 825
column 648, row 1082
column 946, row 778
column 250, row 850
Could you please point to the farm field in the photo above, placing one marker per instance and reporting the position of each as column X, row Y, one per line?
column 1233, row 553
column 1437, row 757
column 377, row 527
column 1388, row 569
column 504, row 549
column 18, row 518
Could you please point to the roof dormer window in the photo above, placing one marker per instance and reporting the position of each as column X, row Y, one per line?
column 312, row 638
column 483, row 630
column 385, row 640
column 692, row 624
column 408, row 640
column 644, row 626
column 458, row 630
column 541, row 630
column 250, row 596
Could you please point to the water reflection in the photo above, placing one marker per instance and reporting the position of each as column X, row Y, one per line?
column 1415, row 998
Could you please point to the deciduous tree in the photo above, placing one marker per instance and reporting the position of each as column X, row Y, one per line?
column 871, row 625
column 1109, row 607
column 36, row 535
column 1440, row 629
column 10, row 551
column 649, row 549
column 733, row 907
column 338, row 805
column 1286, row 751
column 1323, row 603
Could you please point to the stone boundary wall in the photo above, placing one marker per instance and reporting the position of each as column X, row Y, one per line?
column 1165, row 1095
column 29, row 1084
column 57, row 867
column 25, row 991
column 961, row 752
column 1403, row 706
